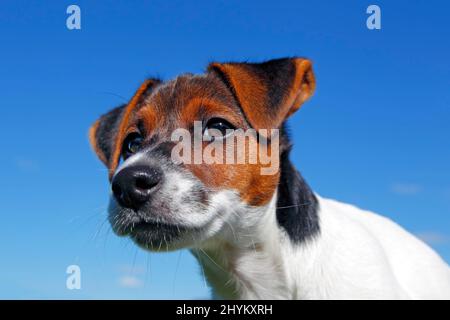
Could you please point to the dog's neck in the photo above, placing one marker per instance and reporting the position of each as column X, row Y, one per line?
column 250, row 264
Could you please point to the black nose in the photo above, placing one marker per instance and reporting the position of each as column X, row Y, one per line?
column 133, row 186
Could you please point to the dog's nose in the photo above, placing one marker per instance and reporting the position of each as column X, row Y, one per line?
column 133, row 186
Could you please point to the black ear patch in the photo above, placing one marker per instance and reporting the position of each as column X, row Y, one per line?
column 102, row 134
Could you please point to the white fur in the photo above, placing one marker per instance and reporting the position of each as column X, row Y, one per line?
column 233, row 261
column 245, row 254
column 357, row 255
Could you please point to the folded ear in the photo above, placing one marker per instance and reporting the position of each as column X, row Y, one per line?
column 102, row 134
column 107, row 133
column 268, row 92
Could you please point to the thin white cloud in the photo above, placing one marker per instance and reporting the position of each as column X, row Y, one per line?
column 433, row 237
column 26, row 165
column 131, row 276
column 130, row 282
column 406, row 189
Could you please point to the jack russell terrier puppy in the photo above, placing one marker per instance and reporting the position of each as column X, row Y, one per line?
column 256, row 235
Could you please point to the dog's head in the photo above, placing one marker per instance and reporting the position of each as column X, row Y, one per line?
column 160, row 198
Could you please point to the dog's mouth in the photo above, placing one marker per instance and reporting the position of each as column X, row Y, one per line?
column 152, row 235
column 157, row 236
column 133, row 228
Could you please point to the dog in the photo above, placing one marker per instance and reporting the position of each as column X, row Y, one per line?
column 256, row 236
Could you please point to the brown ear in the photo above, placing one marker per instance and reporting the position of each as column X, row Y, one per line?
column 103, row 132
column 107, row 133
column 268, row 92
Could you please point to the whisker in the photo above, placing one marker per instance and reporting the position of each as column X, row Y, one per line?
column 176, row 271
column 148, row 270
column 114, row 95
column 294, row 205
column 201, row 268
column 203, row 251
column 134, row 259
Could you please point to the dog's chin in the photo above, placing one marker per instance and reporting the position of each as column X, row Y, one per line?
column 150, row 234
column 162, row 236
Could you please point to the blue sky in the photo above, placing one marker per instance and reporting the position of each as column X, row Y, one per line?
column 375, row 134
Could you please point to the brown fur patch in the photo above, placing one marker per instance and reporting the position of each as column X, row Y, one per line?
column 302, row 87
column 93, row 141
column 268, row 99
column 124, row 125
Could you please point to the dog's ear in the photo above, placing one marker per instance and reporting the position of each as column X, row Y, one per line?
column 268, row 92
column 102, row 134
column 107, row 133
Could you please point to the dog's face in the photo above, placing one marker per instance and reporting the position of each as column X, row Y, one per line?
column 163, row 201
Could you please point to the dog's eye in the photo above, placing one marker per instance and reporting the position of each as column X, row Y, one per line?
column 132, row 144
column 218, row 124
